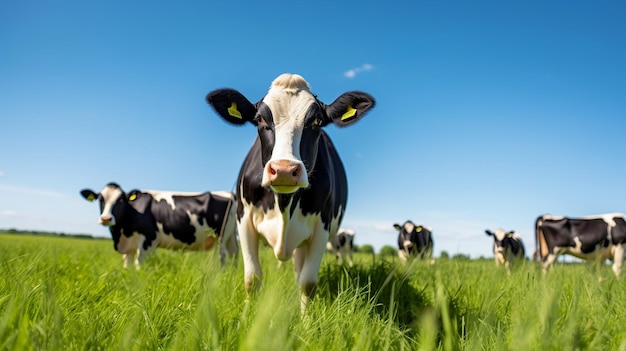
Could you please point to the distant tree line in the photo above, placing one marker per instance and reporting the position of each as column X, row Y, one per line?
column 44, row 233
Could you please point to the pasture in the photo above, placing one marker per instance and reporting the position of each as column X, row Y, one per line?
column 72, row 294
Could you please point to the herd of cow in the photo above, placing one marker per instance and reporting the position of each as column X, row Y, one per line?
column 292, row 192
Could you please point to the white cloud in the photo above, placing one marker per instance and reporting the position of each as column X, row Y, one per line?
column 8, row 213
column 351, row 73
column 30, row 191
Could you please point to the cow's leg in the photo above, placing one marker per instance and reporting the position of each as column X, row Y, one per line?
column 230, row 235
column 232, row 248
column 618, row 259
column 307, row 261
column 350, row 262
column 142, row 253
column 249, row 239
column 127, row 259
column 139, row 256
column 549, row 261
column 340, row 255
column 507, row 265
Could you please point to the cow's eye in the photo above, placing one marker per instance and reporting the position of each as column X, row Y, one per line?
column 317, row 122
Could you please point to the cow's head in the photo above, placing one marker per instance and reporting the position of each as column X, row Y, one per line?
column 413, row 239
column 289, row 120
column 113, row 202
column 499, row 239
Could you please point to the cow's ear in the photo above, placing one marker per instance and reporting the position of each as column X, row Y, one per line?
column 510, row 234
column 89, row 195
column 418, row 228
column 232, row 106
column 488, row 232
column 139, row 200
column 397, row 226
column 349, row 107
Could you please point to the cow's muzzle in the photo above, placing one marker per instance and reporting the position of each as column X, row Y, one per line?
column 285, row 176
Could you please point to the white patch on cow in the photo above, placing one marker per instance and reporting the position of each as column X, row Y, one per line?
column 282, row 233
column 225, row 194
column 500, row 234
column 109, row 195
column 346, row 231
column 552, row 218
column 168, row 196
column 130, row 245
column 289, row 99
column 409, row 227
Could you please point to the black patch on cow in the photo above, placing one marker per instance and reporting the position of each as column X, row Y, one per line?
column 265, row 128
column 592, row 232
column 139, row 212
column 341, row 240
column 618, row 234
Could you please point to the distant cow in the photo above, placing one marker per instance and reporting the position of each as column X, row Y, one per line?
column 140, row 221
column 507, row 246
column 342, row 245
column 414, row 241
column 594, row 238
column 292, row 188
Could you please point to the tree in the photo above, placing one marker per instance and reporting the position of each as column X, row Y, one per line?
column 368, row 249
column 388, row 251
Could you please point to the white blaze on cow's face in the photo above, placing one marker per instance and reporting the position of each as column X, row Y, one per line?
column 291, row 111
column 109, row 196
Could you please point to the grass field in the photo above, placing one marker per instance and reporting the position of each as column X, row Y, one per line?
column 73, row 294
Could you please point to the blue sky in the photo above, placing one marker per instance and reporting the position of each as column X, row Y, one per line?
column 489, row 113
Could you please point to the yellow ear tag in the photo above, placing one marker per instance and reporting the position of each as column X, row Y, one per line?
column 132, row 197
column 91, row 197
column 418, row 229
column 232, row 110
column 349, row 113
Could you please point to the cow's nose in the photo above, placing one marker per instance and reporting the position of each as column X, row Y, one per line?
column 284, row 172
column 105, row 219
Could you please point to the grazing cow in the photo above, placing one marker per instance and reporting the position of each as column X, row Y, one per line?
column 292, row 188
column 342, row 245
column 414, row 241
column 140, row 221
column 594, row 238
column 507, row 246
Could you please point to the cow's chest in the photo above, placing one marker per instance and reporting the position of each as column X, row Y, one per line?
column 284, row 231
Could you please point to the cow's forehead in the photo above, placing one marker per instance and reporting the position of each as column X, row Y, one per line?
column 409, row 227
column 289, row 99
column 499, row 234
column 110, row 193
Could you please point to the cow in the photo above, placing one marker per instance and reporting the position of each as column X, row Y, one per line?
column 507, row 246
column 292, row 188
column 414, row 241
column 140, row 221
column 342, row 245
column 593, row 238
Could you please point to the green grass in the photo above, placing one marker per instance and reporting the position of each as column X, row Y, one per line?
column 59, row 293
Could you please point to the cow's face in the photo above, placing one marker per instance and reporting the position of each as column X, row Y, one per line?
column 289, row 120
column 112, row 200
column 412, row 238
column 500, row 244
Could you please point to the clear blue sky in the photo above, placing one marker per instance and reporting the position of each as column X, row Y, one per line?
column 489, row 113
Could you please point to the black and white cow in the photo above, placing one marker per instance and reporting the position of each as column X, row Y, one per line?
column 507, row 246
column 292, row 187
column 414, row 241
column 342, row 245
column 140, row 221
column 593, row 238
